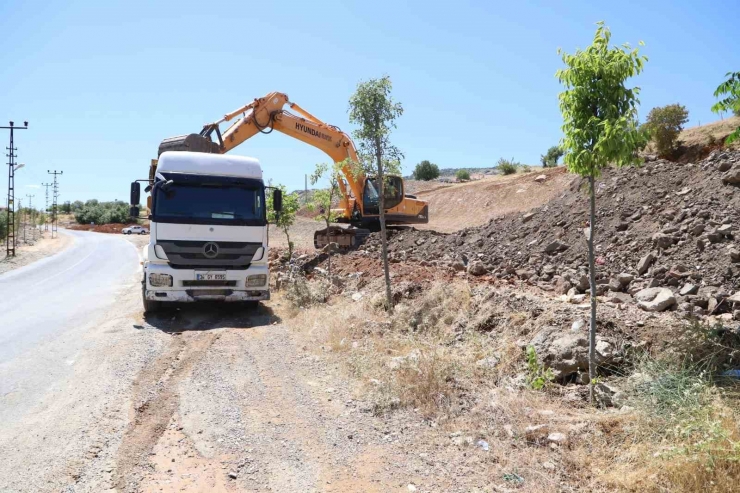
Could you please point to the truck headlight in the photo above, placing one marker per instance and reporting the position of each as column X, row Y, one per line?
column 257, row 280
column 159, row 252
column 160, row 280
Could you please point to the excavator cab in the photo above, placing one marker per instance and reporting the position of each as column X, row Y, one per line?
column 393, row 191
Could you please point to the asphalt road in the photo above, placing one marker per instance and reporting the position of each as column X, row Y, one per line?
column 42, row 301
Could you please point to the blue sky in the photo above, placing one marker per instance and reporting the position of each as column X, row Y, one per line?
column 101, row 83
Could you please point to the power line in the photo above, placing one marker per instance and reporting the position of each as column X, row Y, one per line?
column 10, row 240
column 55, row 196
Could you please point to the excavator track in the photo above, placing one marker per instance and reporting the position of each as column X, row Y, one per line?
column 345, row 238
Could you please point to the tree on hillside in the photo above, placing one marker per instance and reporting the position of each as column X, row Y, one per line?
column 286, row 218
column 462, row 175
column 426, row 171
column 664, row 124
column 600, row 128
column 322, row 199
column 372, row 108
column 731, row 89
column 551, row 157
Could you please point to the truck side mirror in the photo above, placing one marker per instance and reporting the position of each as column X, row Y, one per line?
column 133, row 212
column 135, row 193
column 277, row 200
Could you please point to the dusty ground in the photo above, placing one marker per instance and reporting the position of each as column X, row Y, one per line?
column 32, row 251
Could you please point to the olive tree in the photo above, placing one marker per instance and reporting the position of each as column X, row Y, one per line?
column 731, row 89
column 600, row 128
column 373, row 110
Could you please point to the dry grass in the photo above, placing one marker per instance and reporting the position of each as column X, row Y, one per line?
column 700, row 135
column 679, row 435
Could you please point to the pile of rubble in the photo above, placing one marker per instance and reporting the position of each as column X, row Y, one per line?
column 665, row 239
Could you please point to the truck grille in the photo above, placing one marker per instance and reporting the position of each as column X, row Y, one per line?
column 209, row 254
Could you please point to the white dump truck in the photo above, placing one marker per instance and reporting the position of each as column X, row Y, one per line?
column 208, row 231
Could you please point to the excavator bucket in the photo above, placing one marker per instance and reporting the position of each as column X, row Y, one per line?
column 344, row 238
column 191, row 143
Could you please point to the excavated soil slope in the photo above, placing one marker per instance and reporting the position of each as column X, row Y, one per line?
column 680, row 219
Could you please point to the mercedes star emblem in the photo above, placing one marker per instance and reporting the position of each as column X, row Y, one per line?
column 210, row 250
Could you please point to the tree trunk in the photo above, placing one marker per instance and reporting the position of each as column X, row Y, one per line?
column 328, row 247
column 592, row 282
column 383, row 237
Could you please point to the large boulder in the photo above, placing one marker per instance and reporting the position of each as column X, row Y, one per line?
column 477, row 268
column 655, row 299
column 566, row 351
column 556, row 246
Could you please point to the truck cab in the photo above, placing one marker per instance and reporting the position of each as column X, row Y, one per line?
column 208, row 230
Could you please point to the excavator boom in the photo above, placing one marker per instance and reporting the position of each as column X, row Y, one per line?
column 359, row 203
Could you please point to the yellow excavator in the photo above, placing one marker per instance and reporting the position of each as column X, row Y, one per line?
column 359, row 205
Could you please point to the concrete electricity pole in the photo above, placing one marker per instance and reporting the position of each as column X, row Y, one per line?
column 10, row 241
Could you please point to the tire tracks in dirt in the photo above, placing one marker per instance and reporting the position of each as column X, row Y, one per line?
column 156, row 399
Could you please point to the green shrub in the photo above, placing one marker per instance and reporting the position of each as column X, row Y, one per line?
column 426, row 171
column 507, row 166
column 103, row 212
column 3, row 225
column 462, row 175
column 537, row 375
column 551, row 157
column 664, row 124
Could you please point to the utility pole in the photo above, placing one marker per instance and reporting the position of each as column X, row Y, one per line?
column 30, row 205
column 46, row 222
column 55, row 196
column 10, row 240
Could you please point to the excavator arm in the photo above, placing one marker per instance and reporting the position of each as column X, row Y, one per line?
column 267, row 114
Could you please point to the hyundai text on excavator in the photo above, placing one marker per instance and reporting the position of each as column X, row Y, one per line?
column 359, row 205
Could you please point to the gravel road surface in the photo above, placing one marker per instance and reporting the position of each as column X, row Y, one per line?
column 95, row 397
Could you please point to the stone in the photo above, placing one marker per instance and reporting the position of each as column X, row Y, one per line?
column 488, row 363
column 357, row 296
column 734, row 255
column 477, row 268
column 619, row 298
column 561, row 285
column 605, row 394
column 697, row 229
column 557, row 438
column 526, row 217
column 615, row 285
column 566, row 352
column 645, row 262
column 724, row 166
column 624, row 278
column 583, row 283
column 655, row 299
column 663, row 240
column 688, row 289
column 556, row 246
column 458, row 265
column 540, row 178
column 622, row 226
column 232, row 475
column 732, row 177
column 725, row 229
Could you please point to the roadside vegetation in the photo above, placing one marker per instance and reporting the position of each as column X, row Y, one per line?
column 286, row 218
column 462, row 175
column 97, row 212
column 551, row 157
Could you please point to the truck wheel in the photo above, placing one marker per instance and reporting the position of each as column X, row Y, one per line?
column 150, row 306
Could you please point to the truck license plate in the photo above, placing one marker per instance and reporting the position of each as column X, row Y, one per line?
column 209, row 276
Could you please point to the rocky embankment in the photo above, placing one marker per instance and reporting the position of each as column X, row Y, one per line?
column 665, row 239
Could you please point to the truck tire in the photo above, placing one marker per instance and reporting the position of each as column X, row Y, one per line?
column 150, row 306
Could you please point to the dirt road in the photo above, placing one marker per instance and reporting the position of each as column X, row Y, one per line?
column 207, row 398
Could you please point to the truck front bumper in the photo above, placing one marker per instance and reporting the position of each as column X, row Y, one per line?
column 192, row 295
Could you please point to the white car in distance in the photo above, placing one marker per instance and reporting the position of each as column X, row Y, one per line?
column 135, row 230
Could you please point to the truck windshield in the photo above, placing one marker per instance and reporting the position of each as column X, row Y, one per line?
column 210, row 204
